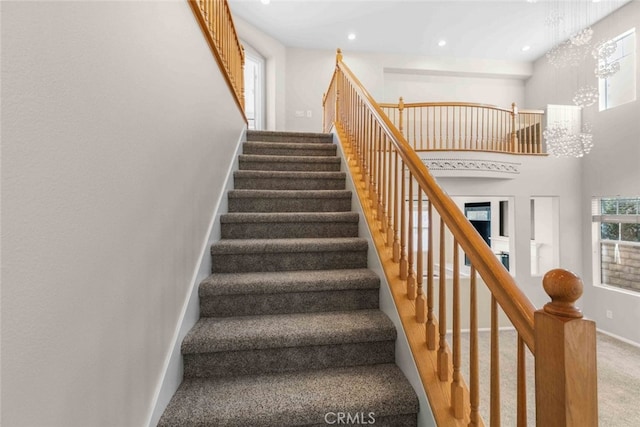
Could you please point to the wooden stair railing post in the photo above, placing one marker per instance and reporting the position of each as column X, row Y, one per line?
column 565, row 362
column 514, row 134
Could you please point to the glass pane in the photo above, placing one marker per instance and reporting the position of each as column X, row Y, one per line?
column 628, row 206
column 617, row 266
column 609, row 206
column 610, row 231
column 630, row 232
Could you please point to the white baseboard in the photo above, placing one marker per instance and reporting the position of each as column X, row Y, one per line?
column 625, row 340
column 173, row 366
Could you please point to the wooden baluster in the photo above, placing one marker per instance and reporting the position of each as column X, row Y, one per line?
column 396, row 221
column 400, row 111
column 440, row 118
column 403, row 226
column 565, row 348
column 431, row 323
column 390, row 205
column 522, row 385
column 421, row 301
column 443, row 350
column 474, row 367
column 457, row 390
column 471, row 129
column 380, row 177
column 385, row 186
column 411, row 279
column 460, row 144
column 433, row 125
column 495, row 365
column 446, row 110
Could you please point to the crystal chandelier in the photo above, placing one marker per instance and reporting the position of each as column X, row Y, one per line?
column 601, row 52
column 562, row 143
column 586, row 96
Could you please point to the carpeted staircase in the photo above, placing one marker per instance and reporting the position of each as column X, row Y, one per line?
column 290, row 332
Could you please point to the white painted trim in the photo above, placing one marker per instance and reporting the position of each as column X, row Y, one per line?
column 173, row 365
column 618, row 337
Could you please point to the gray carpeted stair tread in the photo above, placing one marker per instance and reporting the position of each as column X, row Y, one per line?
column 253, row 135
column 286, row 225
column 290, row 194
column 306, row 291
column 289, row 180
column 291, row 281
column 288, row 163
column 287, row 330
column 289, row 148
column 288, row 217
column 289, row 200
column 293, row 398
column 290, row 174
column 264, row 246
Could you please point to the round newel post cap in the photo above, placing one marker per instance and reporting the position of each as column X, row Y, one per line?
column 564, row 288
column 338, row 55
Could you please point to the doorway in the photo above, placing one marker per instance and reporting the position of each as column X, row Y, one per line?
column 479, row 215
column 254, row 89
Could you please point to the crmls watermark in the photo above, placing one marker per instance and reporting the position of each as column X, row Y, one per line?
column 345, row 418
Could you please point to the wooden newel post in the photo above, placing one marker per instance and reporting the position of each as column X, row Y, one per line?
column 514, row 135
column 565, row 347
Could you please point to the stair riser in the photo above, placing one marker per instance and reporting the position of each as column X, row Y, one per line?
column 289, row 166
column 248, row 262
column 241, row 183
column 288, row 359
column 292, row 302
column 283, row 230
column 257, row 148
column 289, row 205
column 279, row 137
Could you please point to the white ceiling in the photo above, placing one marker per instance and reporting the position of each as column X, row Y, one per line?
column 472, row 28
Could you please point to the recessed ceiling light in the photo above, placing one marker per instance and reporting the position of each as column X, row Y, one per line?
column 442, row 43
column 351, row 36
column 526, row 48
column 265, row 1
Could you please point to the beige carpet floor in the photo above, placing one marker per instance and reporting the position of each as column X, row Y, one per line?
column 618, row 380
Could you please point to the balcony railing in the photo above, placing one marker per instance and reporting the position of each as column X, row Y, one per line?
column 465, row 126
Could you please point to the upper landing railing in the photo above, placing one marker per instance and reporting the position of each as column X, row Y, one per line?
column 465, row 126
column 422, row 238
column 216, row 22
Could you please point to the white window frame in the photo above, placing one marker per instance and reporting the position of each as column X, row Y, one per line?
column 597, row 219
column 605, row 102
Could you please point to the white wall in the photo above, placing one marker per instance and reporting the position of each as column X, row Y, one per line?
column 611, row 168
column 275, row 55
column 426, row 87
column 388, row 76
column 114, row 151
column 558, row 180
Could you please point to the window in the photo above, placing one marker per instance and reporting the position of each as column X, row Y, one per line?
column 617, row 241
column 619, row 88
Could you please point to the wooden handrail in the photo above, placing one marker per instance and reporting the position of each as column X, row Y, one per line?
column 512, row 300
column 216, row 22
column 388, row 172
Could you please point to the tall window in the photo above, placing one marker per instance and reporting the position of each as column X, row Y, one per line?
column 620, row 88
column 617, row 224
